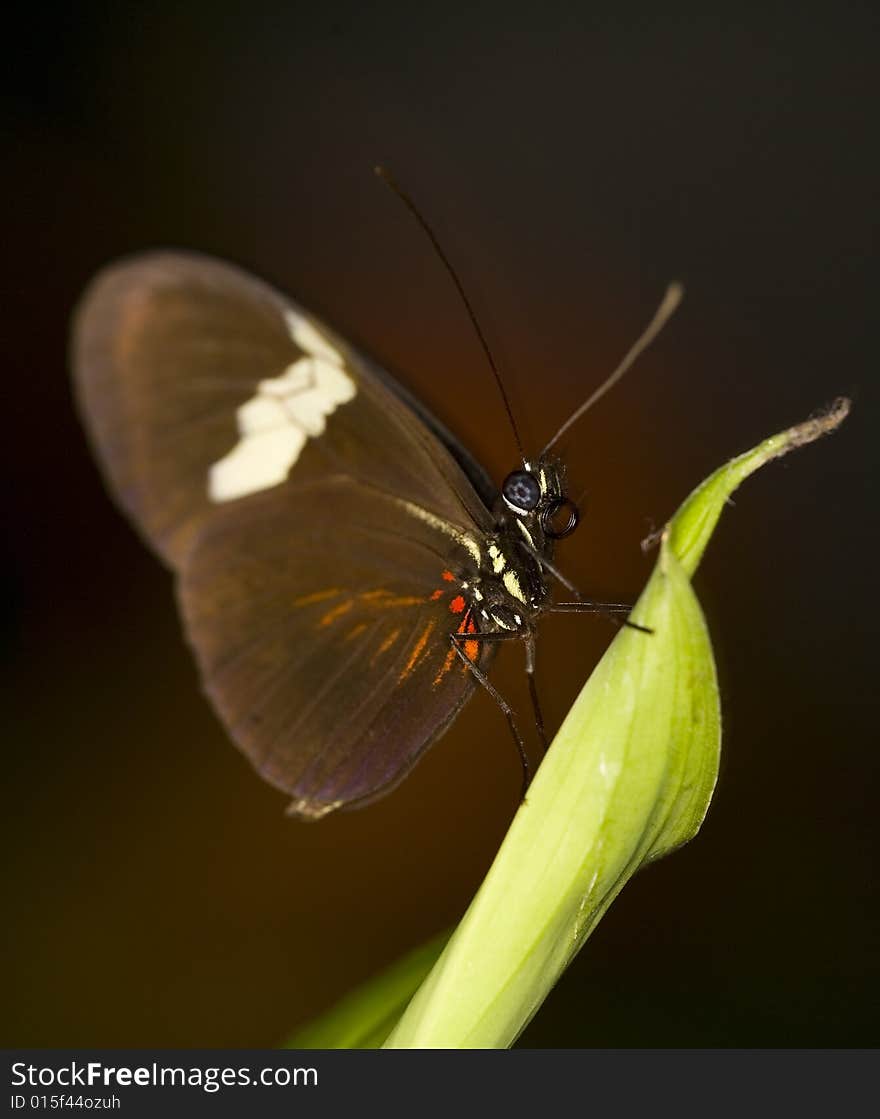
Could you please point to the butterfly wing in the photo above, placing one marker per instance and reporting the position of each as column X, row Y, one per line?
column 326, row 650
column 317, row 519
column 199, row 384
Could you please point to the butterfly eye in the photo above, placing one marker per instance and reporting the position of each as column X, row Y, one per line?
column 559, row 518
column 521, row 491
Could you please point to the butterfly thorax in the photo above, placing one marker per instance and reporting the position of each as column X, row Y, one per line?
column 508, row 590
column 510, row 587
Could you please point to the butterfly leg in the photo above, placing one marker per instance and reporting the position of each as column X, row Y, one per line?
column 458, row 641
column 584, row 605
column 609, row 609
column 533, row 691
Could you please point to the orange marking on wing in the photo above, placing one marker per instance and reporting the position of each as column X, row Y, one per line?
column 418, row 649
column 356, row 632
column 457, row 605
column 386, row 598
column 386, row 645
column 318, row 596
column 435, row 595
column 448, row 576
column 471, row 649
column 445, row 667
column 335, row 613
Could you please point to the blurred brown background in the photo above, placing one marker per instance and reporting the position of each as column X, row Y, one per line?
column 574, row 160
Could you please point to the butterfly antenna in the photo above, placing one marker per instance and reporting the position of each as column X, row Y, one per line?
column 662, row 315
column 391, row 182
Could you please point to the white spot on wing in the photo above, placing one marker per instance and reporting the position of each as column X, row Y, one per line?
column 257, row 462
column 309, row 340
column 276, row 423
column 314, row 810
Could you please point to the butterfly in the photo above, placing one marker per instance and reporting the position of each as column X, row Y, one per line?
column 345, row 569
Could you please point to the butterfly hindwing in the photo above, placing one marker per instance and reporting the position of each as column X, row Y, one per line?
column 333, row 677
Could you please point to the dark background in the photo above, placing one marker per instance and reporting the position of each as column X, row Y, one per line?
column 574, row 159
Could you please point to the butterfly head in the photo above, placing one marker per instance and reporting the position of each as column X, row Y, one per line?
column 536, row 496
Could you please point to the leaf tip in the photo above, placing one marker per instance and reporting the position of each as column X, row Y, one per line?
column 820, row 423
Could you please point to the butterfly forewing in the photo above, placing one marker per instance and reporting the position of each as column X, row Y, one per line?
column 174, row 352
column 319, row 523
